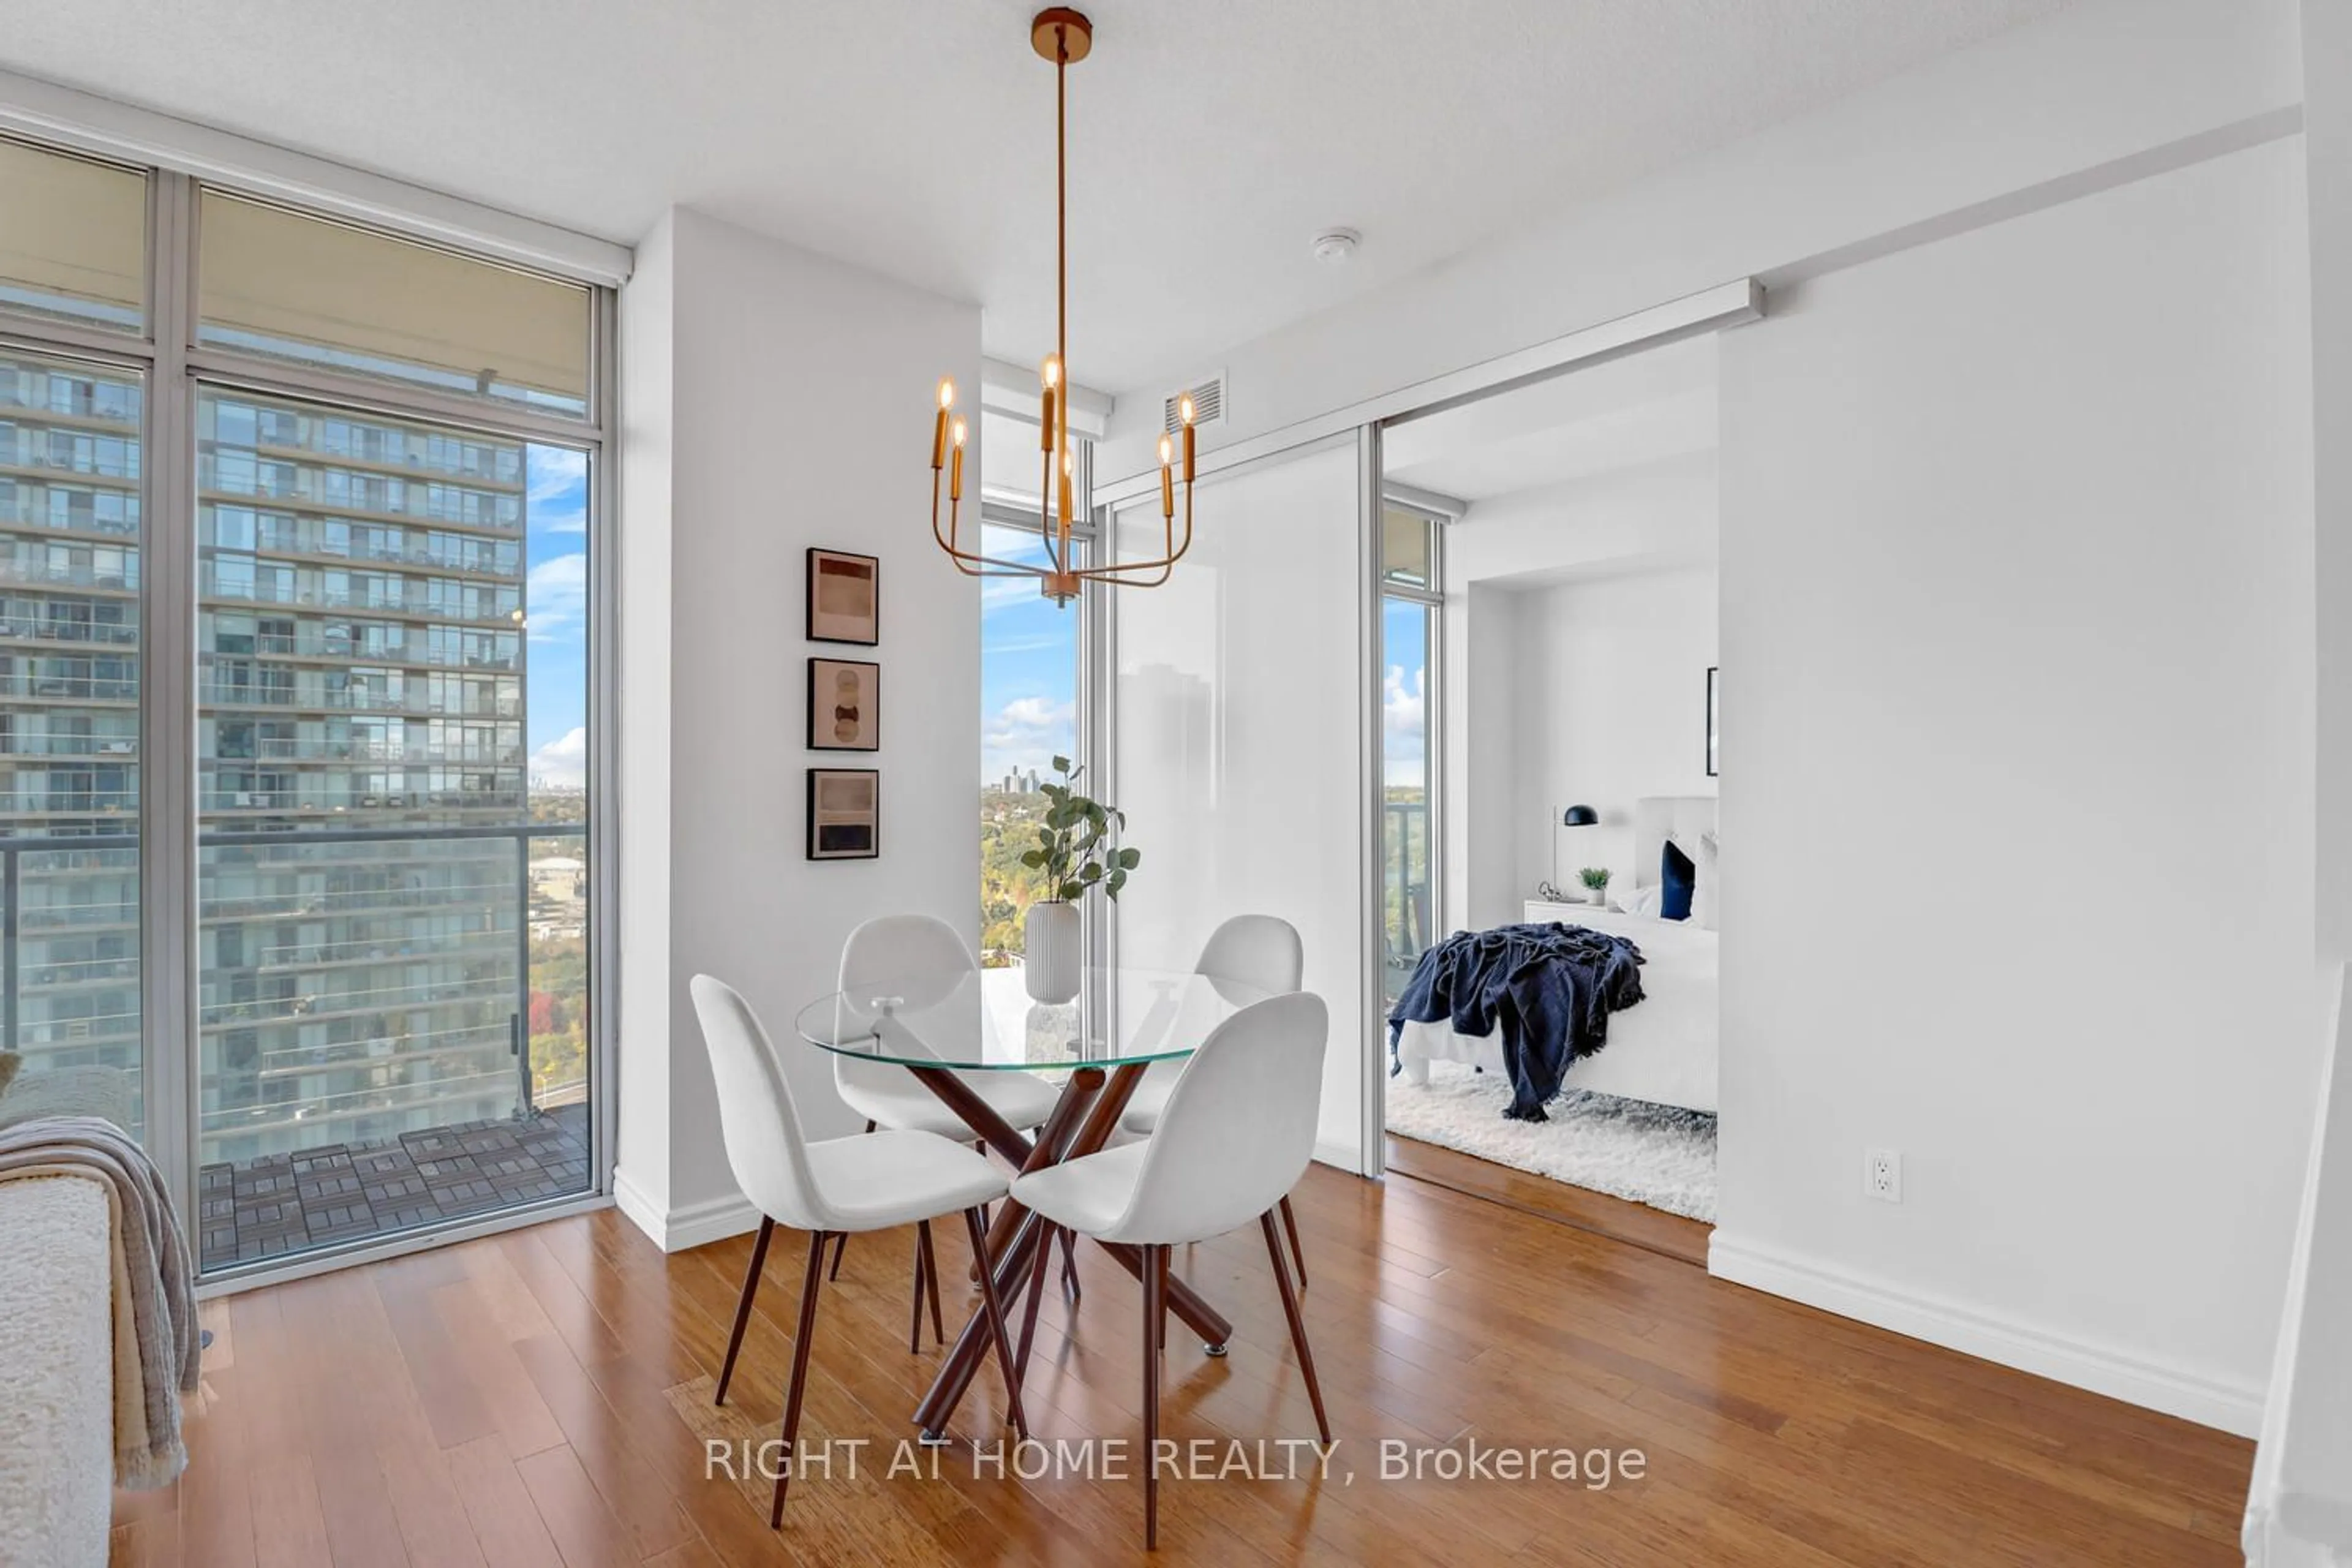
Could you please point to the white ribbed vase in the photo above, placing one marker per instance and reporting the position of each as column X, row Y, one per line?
column 1054, row 960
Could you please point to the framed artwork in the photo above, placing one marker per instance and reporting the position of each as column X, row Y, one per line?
column 844, row 706
column 845, row 814
column 1710, row 720
column 844, row 597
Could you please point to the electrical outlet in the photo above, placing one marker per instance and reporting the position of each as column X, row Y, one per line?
column 1882, row 1175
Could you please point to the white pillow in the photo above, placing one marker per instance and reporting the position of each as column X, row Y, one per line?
column 1706, row 883
column 1643, row 901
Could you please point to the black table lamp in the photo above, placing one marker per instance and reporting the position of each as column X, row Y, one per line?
column 1579, row 817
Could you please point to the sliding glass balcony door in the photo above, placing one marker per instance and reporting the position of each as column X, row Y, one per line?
column 391, row 906
column 316, row 535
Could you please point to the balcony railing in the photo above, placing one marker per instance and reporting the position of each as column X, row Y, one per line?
column 1404, row 889
column 369, row 1004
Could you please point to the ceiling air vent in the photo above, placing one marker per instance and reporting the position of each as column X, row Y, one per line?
column 1208, row 404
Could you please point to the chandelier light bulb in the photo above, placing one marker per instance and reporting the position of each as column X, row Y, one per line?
column 1167, row 452
column 1052, row 371
column 959, row 432
column 1184, row 408
column 947, row 393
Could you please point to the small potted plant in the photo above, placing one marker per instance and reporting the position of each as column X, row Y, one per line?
column 1596, row 884
column 1077, row 850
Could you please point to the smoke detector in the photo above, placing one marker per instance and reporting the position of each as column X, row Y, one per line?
column 1335, row 246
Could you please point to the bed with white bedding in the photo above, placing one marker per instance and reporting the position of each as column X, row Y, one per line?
column 1663, row 1049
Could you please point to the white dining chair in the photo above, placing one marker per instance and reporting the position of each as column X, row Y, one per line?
column 1264, row 953
column 874, row 1181
column 922, row 959
column 1234, row 1137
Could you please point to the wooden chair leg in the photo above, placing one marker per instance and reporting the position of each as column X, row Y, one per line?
column 1036, row 1295
column 1298, row 1253
column 1297, row 1323
column 1155, row 1292
column 791, row 1427
column 915, row 1325
column 995, row 1311
column 930, row 1279
column 743, row 1307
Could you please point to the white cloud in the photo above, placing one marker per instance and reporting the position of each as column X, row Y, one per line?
column 563, row 761
column 1027, row 733
column 557, row 501
column 555, row 598
column 1403, row 713
column 1005, row 593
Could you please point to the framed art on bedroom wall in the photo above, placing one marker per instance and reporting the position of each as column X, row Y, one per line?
column 1710, row 720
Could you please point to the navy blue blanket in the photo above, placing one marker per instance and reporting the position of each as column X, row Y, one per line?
column 1552, row 988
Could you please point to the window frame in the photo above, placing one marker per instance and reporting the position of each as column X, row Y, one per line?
column 166, row 354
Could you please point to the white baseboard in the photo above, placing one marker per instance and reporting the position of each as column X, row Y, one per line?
column 685, row 1228
column 2177, row 1391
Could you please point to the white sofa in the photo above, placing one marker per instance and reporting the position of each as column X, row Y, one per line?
column 57, row 1374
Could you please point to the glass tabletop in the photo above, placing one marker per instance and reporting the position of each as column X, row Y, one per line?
column 985, row 1019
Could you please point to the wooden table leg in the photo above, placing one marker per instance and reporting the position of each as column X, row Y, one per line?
column 1012, row 1265
column 1050, row 1148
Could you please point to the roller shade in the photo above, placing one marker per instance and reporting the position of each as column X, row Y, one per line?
column 273, row 281
column 73, row 237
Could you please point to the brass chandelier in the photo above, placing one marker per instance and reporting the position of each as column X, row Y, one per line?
column 1064, row 38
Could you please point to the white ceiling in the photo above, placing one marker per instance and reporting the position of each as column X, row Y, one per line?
column 1210, row 139
column 1624, row 414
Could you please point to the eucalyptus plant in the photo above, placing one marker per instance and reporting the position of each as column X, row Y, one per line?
column 1076, row 843
column 1595, row 878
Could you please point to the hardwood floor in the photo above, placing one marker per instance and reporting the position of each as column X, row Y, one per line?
column 1557, row 1201
column 543, row 1398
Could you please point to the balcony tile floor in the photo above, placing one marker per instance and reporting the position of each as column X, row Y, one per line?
column 286, row 1203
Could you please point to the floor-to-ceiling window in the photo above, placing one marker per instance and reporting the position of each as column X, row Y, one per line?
column 73, row 438
column 366, row 470
column 1411, row 597
column 1032, row 690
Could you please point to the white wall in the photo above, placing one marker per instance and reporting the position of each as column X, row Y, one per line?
column 2018, row 647
column 2299, row 1507
column 1578, row 618
column 1612, row 695
column 2327, row 147
column 1481, row 724
column 771, row 401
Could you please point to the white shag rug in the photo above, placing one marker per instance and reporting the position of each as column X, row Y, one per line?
column 1654, row 1155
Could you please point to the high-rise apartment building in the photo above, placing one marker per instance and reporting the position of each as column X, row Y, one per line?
column 359, row 747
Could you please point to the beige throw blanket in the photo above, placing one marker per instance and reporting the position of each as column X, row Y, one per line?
column 154, row 1294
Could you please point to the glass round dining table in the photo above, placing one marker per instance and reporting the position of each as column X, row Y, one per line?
column 943, row 1025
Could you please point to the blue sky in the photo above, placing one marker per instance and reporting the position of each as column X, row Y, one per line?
column 1404, row 660
column 555, row 603
column 1028, row 674
column 1028, row 666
